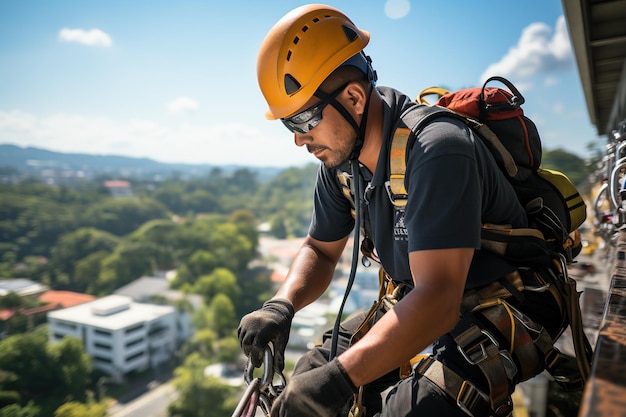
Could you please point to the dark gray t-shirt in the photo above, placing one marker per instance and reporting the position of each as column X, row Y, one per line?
column 453, row 186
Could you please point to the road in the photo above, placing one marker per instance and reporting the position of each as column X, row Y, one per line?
column 151, row 404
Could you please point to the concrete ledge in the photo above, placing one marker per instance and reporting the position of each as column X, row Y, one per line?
column 605, row 392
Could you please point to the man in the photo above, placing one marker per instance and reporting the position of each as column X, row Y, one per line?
column 317, row 80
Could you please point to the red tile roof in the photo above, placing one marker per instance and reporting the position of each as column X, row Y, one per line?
column 6, row 314
column 117, row 184
column 65, row 298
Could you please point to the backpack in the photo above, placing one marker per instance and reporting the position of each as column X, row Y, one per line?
column 555, row 207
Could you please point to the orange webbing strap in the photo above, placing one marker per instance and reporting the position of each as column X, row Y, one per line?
column 397, row 167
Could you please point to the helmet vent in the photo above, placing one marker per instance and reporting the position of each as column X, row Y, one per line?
column 291, row 84
column 350, row 33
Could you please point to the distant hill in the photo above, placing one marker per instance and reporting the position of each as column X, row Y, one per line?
column 33, row 160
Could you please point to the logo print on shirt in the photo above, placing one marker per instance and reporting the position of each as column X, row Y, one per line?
column 399, row 228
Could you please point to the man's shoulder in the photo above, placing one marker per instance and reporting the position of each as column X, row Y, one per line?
column 396, row 100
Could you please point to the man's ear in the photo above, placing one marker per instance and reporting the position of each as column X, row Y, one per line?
column 356, row 96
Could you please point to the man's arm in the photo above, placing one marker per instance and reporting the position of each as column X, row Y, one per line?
column 430, row 310
column 311, row 271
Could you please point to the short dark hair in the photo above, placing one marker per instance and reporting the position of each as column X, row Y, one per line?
column 343, row 75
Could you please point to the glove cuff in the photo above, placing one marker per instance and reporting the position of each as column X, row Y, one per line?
column 281, row 304
column 346, row 386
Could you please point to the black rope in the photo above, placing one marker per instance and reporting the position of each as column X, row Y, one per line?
column 356, row 180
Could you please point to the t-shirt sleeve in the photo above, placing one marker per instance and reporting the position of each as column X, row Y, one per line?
column 332, row 219
column 444, row 186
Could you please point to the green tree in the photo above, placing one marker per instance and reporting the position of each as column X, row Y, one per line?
column 11, row 300
column 171, row 196
column 571, row 165
column 223, row 317
column 121, row 216
column 82, row 249
column 77, row 409
column 129, row 261
column 47, row 375
column 72, row 367
column 16, row 410
column 220, row 281
column 201, row 262
column 199, row 396
column 228, row 350
column 202, row 201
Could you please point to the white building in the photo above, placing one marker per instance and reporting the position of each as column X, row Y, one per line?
column 147, row 289
column 119, row 334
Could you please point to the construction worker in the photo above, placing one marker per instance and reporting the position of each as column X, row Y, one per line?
column 316, row 79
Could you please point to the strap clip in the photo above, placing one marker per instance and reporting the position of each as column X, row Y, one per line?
column 478, row 352
column 470, row 398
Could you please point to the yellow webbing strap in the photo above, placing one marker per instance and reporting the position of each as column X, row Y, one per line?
column 346, row 188
column 438, row 91
column 397, row 167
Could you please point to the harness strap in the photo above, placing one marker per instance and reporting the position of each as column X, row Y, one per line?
column 479, row 347
column 468, row 397
column 397, row 167
column 570, row 299
column 345, row 179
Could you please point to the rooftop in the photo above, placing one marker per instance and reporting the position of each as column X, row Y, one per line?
column 122, row 312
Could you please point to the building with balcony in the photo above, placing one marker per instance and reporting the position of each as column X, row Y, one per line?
column 119, row 334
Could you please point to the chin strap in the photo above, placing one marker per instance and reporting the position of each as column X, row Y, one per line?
column 359, row 129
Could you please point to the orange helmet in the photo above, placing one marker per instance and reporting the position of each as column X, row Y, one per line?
column 301, row 51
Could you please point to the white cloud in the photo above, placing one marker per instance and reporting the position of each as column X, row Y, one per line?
column 183, row 143
column 397, row 9
column 182, row 105
column 92, row 37
column 550, row 81
column 539, row 50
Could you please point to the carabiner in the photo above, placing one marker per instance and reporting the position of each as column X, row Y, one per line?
column 248, row 404
column 261, row 392
column 268, row 369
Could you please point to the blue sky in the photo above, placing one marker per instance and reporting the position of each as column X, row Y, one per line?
column 175, row 81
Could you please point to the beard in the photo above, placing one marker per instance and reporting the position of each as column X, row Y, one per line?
column 335, row 157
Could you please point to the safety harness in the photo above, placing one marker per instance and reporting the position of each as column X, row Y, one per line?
column 500, row 340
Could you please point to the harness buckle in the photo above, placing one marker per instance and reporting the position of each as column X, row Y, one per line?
column 398, row 200
column 470, row 398
column 478, row 351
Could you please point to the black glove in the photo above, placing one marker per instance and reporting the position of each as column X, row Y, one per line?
column 321, row 392
column 270, row 323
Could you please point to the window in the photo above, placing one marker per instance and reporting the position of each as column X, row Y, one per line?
column 133, row 329
column 102, row 346
column 102, row 332
column 134, row 343
column 135, row 356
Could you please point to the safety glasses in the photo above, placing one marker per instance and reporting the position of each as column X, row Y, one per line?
column 307, row 119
